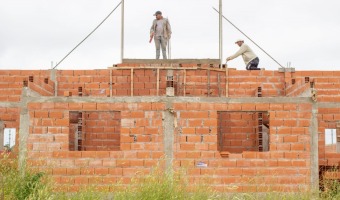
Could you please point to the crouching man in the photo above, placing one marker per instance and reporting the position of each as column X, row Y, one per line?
column 249, row 57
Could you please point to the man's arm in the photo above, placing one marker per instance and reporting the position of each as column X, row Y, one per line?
column 168, row 26
column 238, row 53
column 152, row 30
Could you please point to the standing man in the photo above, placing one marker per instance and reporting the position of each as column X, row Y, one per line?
column 161, row 32
column 249, row 57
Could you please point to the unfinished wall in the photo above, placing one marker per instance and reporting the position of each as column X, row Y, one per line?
column 247, row 171
column 122, row 135
column 141, row 142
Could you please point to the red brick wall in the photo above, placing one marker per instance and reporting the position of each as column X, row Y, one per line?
column 196, row 132
column 328, row 118
column 11, row 83
column 48, row 143
column 248, row 171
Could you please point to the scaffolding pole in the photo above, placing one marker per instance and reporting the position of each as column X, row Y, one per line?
column 122, row 33
column 220, row 34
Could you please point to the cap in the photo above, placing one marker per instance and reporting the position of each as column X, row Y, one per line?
column 158, row 13
column 239, row 40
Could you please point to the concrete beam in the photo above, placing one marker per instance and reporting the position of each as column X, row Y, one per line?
column 172, row 99
column 329, row 105
column 172, row 61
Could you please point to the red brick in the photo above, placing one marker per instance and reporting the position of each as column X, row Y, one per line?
column 89, row 106
column 75, row 106
column 180, row 106
column 62, row 122
column 41, row 114
column 297, row 147
column 59, row 171
column 56, row 114
column 67, row 93
column 101, row 171
column 292, row 138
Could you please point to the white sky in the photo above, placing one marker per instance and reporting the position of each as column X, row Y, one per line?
column 35, row 32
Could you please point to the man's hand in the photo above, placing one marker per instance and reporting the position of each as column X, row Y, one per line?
column 151, row 37
column 228, row 59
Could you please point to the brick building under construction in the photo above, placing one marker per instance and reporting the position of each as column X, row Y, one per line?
column 239, row 131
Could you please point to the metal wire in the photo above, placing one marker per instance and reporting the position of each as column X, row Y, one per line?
column 88, row 35
column 250, row 39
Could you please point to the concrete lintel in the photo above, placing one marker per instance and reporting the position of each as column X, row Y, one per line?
column 172, row 99
column 286, row 69
column 172, row 61
column 9, row 104
column 329, row 105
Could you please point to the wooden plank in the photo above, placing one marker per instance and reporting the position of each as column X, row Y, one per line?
column 157, row 81
column 227, row 81
column 185, row 82
column 111, row 83
column 132, row 82
column 170, row 68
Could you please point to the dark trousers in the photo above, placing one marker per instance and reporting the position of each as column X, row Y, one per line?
column 252, row 65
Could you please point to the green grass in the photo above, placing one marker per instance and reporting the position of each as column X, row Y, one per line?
column 158, row 185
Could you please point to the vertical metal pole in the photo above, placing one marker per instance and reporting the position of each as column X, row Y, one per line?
column 220, row 34
column 122, row 33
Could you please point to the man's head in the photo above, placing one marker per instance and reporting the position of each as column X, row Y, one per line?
column 239, row 42
column 158, row 15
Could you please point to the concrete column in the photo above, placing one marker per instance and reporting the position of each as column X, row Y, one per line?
column 168, row 132
column 23, row 129
column 1, row 135
column 313, row 129
column 23, row 135
column 53, row 77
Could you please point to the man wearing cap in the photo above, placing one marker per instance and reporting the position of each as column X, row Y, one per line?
column 161, row 32
column 249, row 57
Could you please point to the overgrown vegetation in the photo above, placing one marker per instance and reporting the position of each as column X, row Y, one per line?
column 159, row 185
column 21, row 185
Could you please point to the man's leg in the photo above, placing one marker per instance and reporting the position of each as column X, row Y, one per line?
column 158, row 47
column 163, row 44
column 252, row 65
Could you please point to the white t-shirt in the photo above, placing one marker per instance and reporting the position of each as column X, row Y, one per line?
column 159, row 27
